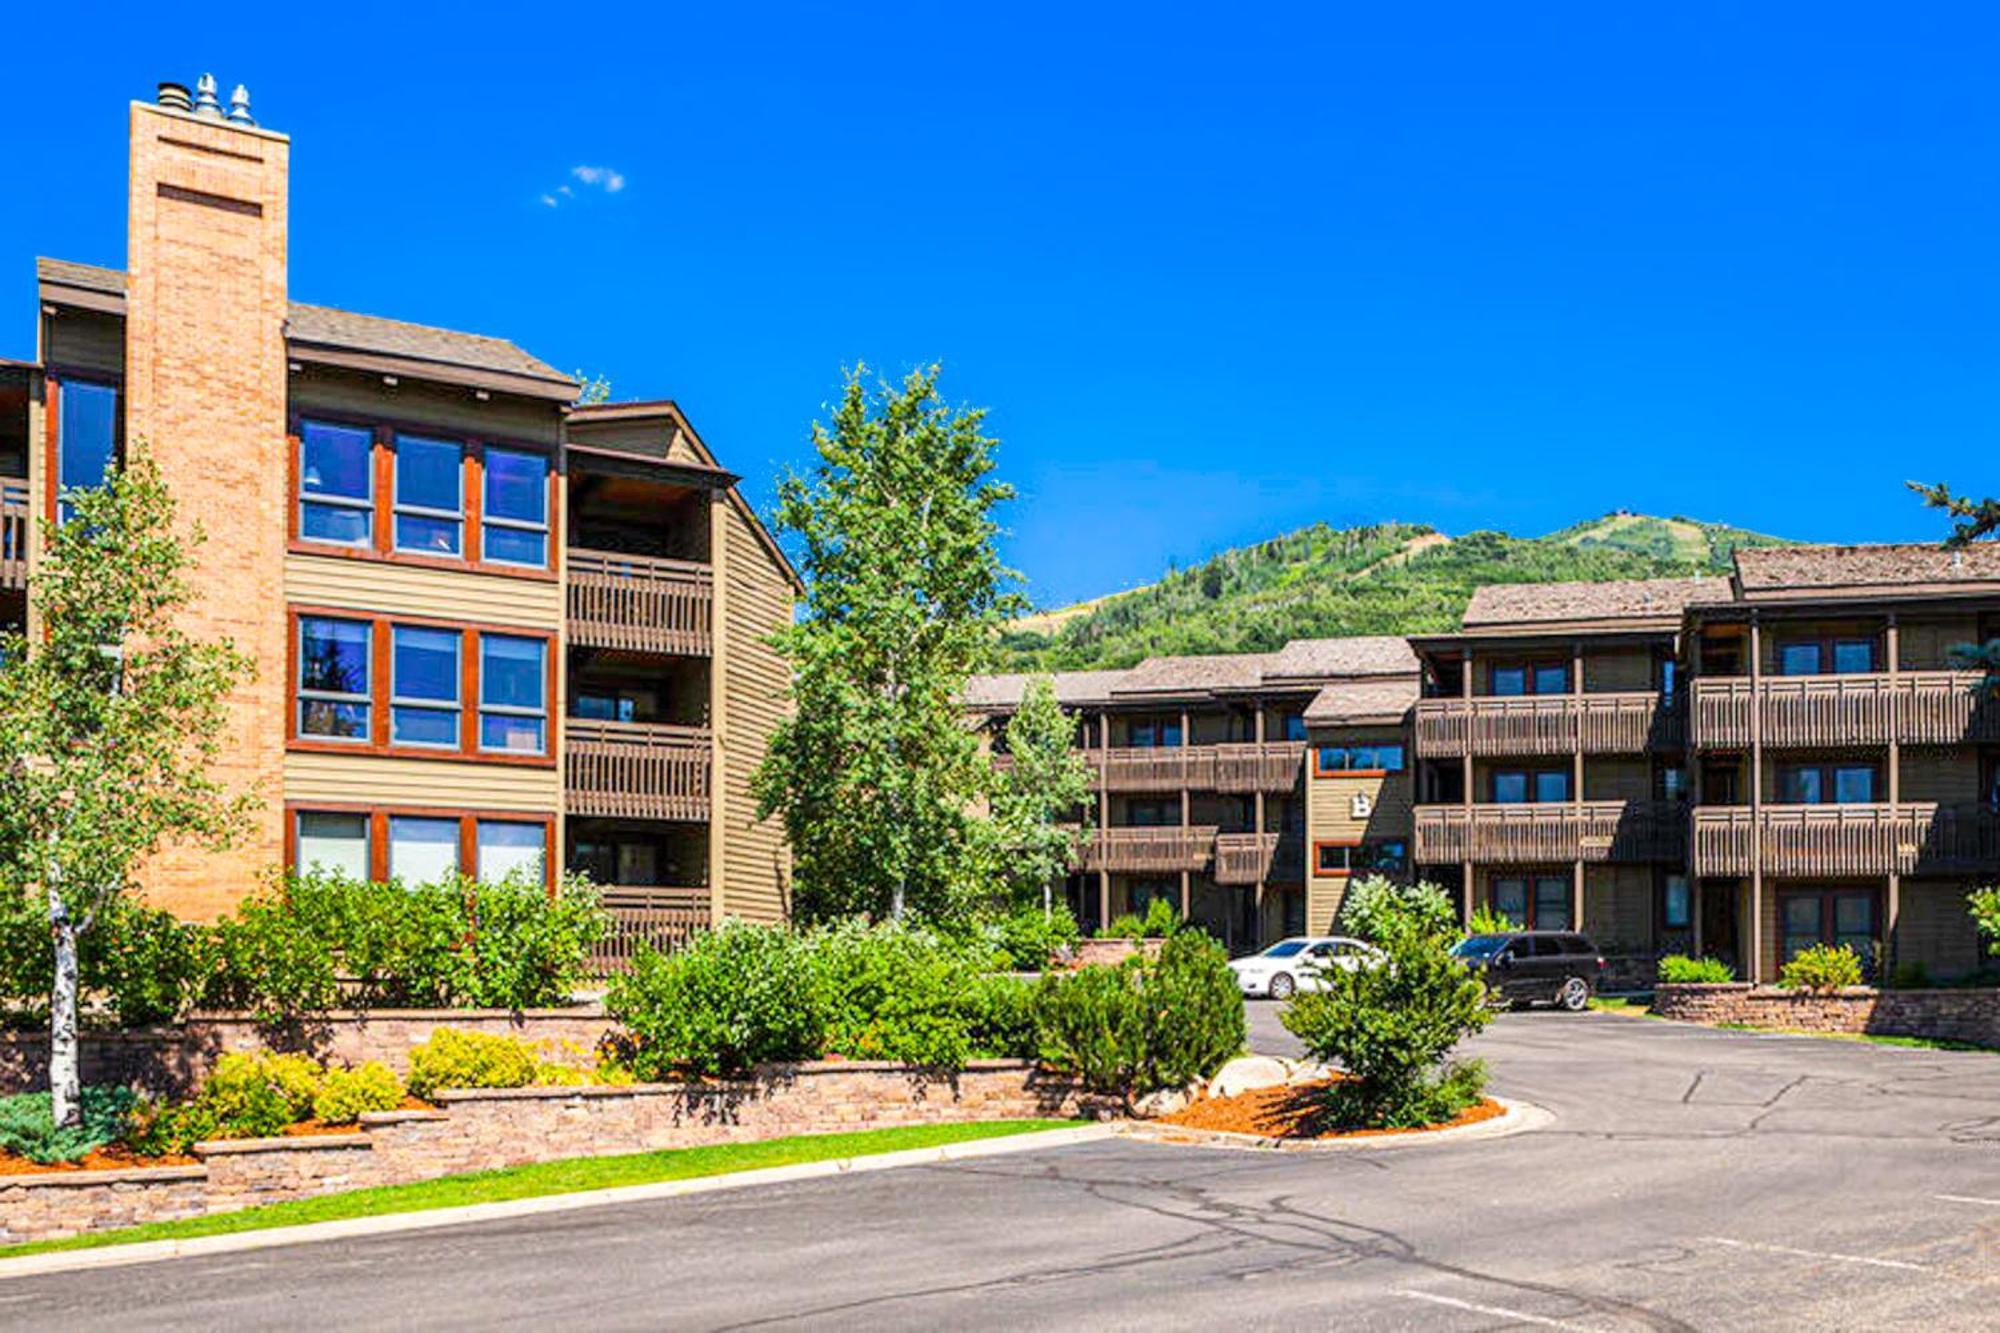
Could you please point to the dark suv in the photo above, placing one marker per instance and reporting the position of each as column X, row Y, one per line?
column 1535, row 966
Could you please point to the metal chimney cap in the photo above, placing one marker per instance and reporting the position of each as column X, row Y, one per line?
column 239, row 107
column 174, row 96
column 205, row 103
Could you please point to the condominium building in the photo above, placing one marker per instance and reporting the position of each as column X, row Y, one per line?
column 1742, row 766
column 492, row 630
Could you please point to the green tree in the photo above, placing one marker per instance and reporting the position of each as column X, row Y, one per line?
column 875, row 773
column 1035, row 796
column 1975, row 520
column 109, row 722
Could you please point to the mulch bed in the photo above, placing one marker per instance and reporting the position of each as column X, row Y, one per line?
column 1296, row 1112
column 110, row 1158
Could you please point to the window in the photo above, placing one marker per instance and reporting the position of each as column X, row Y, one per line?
column 1826, row 784
column 508, row 847
column 1672, row 785
column 1152, row 733
column 1153, row 814
column 1534, row 902
column 430, row 495
column 333, row 678
column 1811, row 657
column 334, row 844
column 336, row 484
column 1676, row 904
column 1798, row 659
column 1827, row 916
column 620, row 706
column 1512, row 678
column 423, row 692
column 1388, row 856
column 514, row 522
column 1295, row 726
column 1329, row 759
column 87, row 436
column 1853, row 655
column 422, row 850
column 513, row 694
column 1520, row 786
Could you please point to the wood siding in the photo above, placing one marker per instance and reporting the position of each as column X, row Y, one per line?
column 391, row 589
column 753, row 871
column 420, row 783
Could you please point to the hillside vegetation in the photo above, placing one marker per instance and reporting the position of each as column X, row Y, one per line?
column 1387, row 578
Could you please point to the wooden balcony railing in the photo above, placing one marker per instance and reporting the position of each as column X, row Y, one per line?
column 1626, row 723
column 13, row 533
column 635, row 770
column 1846, row 839
column 1154, row 769
column 658, row 917
column 1251, row 766
column 1592, row 831
column 640, row 603
column 1871, row 708
column 1247, row 858
column 1151, row 849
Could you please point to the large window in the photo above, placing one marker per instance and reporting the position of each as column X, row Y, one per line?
column 334, row 844
column 87, row 436
column 1513, row 678
column 334, row 697
column 1829, row 656
column 507, row 847
column 447, row 689
column 430, row 495
column 1375, row 856
column 422, row 849
column 1152, row 733
column 513, row 694
column 423, row 700
column 1533, row 902
column 1676, row 903
column 1521, row 786
column 1826, row 784
column 1332, row 759
column 1827, row 916
column 514, row 524
column 336, row 484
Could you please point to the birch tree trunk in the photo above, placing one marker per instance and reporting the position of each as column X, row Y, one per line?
column 65, row 1080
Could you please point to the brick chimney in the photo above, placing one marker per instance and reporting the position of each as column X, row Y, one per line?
column 205, row 386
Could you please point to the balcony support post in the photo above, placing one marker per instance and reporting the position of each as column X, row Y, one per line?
column 1892, row 650
column 1187, row 798
column 1576, row 895
column 1103, row 813
column 1465, row 890
column 1258, row 801
column 1755, row 971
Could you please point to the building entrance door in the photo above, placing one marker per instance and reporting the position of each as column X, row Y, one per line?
column 1718, row 921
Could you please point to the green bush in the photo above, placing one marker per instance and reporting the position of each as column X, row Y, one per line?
column 1025, row 940
column 255, row 1094
column 1160, row 921
column 1000, row 1023
column 892, row 993
column 1392, row 1026
column 455, row 1058
column 732, row 998
column 1678, row 969
column 1146, row 1023
column 1485, row 921
column 27, row 1125
column 1369, row 899
column 345, row 1094
column 1910, row 975
column 141, row 964
column 1823, row 967
column 1984, row 904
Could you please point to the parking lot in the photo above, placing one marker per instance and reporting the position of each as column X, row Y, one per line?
column 1689, row 1179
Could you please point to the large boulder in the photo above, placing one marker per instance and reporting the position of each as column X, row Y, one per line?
column 1247, row 1073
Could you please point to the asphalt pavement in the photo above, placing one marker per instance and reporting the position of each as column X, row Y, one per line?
column 1690, row 1179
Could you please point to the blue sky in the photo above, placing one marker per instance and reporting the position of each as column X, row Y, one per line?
column 1218, row 274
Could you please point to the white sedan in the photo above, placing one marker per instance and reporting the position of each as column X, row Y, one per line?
column 1299, row 963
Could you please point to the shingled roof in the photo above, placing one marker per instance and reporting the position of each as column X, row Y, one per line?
column 1361, row 702
column 1364, row 655
column 1513, row 605
column 1907, row 565
column 1180, row 675
column 312, row 326
column 1004, row 690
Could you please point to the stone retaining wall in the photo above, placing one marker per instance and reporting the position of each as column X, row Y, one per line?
column 1944, row 1015
column 173, row 1061
column 479, row 1129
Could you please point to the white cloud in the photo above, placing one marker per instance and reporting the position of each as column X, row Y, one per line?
column 609, row 179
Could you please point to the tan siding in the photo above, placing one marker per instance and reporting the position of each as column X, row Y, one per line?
column 381, row 781
column 755, row 870
column 393, row 589
column 1935, row 930
column 1331, row 815
column 454, row 411
column 1618, row 671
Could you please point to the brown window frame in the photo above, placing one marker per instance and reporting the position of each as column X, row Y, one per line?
column 1826, row 644
column 1826, row 893
column 380, row 647
column 1348, row 870
column 381, row 545
column 1827, row 770
column 1530, row 879
column 1528, row 666
column 1321, row 771
column 1532, row 771
column 379, row 816
column 53, row 380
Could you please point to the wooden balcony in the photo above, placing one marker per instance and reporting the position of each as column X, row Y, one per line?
column 647, row 916
column 1871, row 708
column 13, row 534
column 1247, row 858
column 1623, row 831
column 634, row 770
column 1252, row 766
column 1629, row 723
column 1151, row 849
column 640, row 603
column 1835, row 840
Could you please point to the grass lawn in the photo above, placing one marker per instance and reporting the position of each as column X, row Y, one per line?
column 564, row 1177
column 1622, row 1004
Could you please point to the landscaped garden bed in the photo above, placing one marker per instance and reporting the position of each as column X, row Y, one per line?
column 1299, row 1112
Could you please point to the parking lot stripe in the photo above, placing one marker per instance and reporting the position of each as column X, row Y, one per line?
column 1967, row 1198
column 1498, row 1312
column 1819, row 1254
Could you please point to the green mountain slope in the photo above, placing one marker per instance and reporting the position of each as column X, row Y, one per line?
column 1389, row 578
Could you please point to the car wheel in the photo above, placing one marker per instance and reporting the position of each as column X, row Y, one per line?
column 1282, row 986
column 1574, row 995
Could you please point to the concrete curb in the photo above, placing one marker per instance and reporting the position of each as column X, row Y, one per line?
column 152, row 1251
column 1518, row 1118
